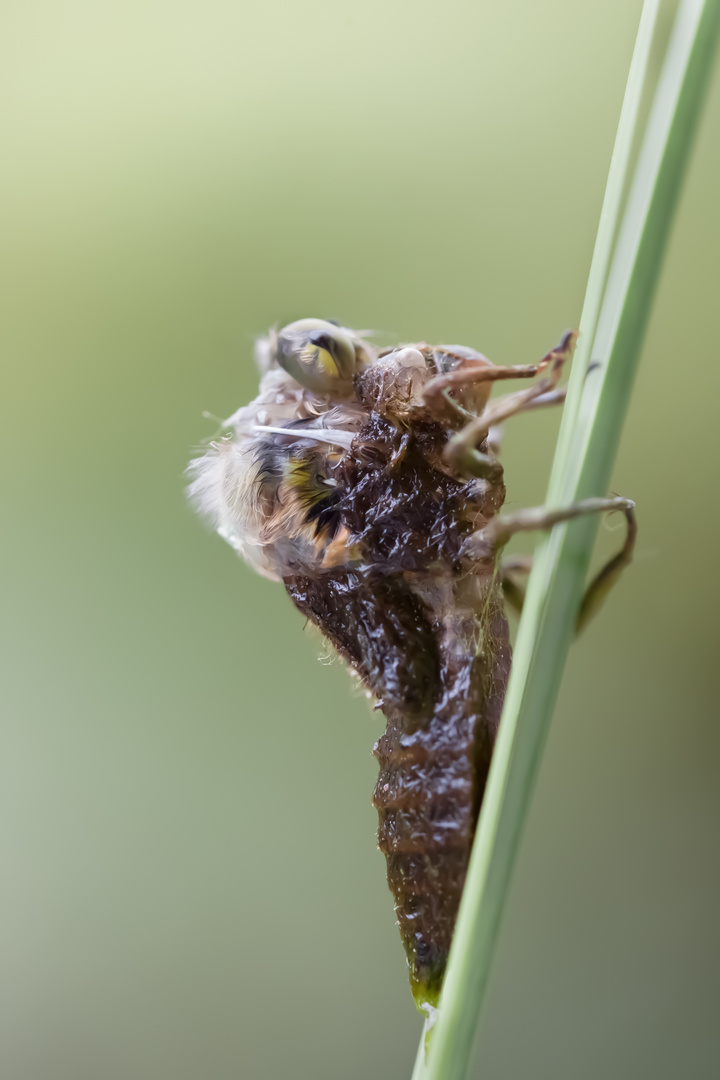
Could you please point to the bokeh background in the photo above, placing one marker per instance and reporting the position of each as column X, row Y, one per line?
column 190, row 881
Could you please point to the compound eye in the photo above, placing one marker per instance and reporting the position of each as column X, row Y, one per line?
column 318, row 354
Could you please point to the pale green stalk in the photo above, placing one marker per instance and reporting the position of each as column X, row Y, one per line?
column 609, row 217
column 582, row 468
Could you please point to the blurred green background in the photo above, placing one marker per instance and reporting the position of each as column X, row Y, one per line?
column 191, row 885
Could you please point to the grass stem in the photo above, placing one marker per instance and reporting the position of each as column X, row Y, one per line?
column 598, row 398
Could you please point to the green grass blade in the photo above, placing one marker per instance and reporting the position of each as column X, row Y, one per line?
column 609, row 217
column 582, row 468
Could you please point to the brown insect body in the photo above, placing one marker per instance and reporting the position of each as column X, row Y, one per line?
column 427, row 633
column 365, row 481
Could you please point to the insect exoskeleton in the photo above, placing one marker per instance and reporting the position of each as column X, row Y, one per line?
column 366, row 482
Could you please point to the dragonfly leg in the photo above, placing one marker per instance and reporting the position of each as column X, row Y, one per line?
column 461, row 448
column 468, row 459
column 471, row 371
column 552, row 397
column 598, row 589
column 498, row 531
column 511, row 566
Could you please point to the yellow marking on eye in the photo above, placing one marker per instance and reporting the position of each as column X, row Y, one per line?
column 313, row 354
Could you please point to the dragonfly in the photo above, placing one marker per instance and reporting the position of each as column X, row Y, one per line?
column 368, row 481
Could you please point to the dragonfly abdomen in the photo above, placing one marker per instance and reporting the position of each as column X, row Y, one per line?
column 428, row 797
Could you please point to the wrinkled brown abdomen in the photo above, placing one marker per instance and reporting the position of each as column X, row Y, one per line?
column 428, row 797
column 443, row 706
